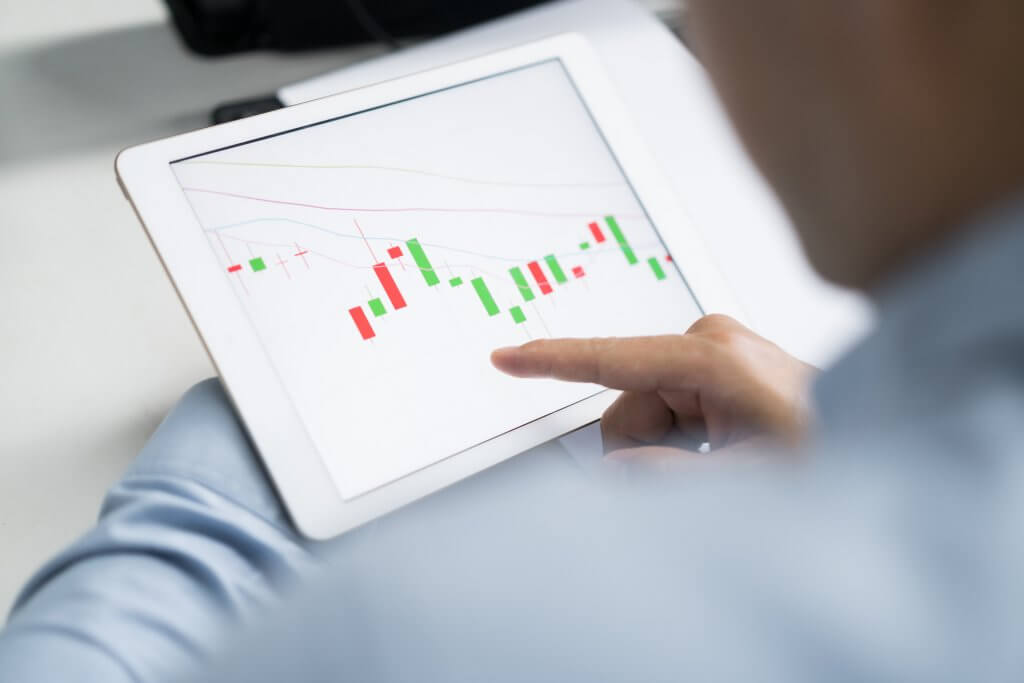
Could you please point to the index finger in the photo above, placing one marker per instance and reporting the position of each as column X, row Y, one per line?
column 629, row 364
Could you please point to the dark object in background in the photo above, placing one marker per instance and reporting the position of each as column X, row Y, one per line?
column 241, row 109
column 217, row 27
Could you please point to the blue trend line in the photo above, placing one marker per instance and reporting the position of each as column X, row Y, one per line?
column 384, row 238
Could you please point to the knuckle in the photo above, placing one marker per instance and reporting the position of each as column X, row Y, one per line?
column 705, row 351
column 720, row 330
column 713, row 322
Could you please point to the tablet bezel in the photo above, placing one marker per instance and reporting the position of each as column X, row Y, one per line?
column 300, row 476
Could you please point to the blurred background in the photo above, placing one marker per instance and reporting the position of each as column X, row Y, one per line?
column 94, row 345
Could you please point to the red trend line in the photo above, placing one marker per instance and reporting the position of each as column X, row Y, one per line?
column 538, row 275
column 406, row 209
column 388, row 283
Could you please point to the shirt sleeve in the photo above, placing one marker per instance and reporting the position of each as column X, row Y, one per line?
column 188, row 545
column 768, row 573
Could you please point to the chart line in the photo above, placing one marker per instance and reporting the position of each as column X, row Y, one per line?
column 385, row 238
column 496, row 276
column 404, row 209
column 365, row 241
column 399, row 169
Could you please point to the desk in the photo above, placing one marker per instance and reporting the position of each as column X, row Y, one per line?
column 94, row 345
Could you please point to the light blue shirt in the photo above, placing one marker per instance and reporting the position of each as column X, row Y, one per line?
column 893, row 549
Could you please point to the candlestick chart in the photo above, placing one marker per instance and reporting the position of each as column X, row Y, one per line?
column 380, row 258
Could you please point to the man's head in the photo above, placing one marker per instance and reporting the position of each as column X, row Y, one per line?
column 880, row 123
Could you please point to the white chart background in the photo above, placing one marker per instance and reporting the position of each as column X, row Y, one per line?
column 487, row 176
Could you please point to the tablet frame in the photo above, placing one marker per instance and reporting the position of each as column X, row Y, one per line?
column 287, row 451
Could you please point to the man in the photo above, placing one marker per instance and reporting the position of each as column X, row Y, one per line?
column 886, row 546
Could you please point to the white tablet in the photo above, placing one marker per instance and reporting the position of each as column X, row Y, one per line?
column 351, row 262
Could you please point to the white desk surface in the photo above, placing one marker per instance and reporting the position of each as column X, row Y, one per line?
column 94, row 345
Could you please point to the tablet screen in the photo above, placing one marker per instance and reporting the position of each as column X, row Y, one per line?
column 381, row 256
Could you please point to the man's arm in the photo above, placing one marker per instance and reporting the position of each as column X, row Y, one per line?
column 188, row 544
column 774, row 569
column 770, row 573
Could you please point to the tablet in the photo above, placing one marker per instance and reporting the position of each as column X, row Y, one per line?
column 351, row 262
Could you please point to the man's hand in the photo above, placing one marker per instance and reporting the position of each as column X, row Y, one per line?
column 719, row 382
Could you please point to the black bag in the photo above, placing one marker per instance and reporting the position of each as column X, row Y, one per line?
column 217, row 27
